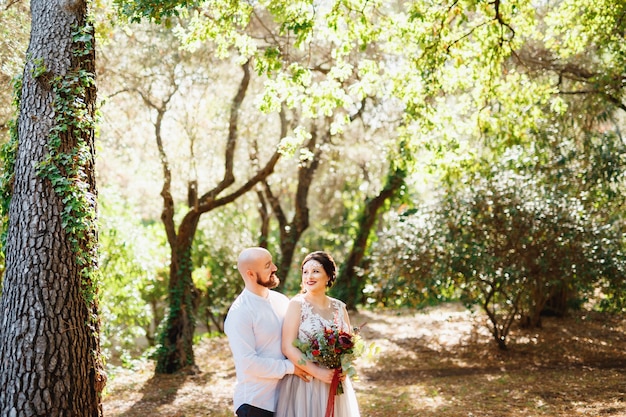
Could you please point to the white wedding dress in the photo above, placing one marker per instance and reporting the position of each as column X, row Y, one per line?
column 297, row 398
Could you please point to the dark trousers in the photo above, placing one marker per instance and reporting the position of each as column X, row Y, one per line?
column 247, row 410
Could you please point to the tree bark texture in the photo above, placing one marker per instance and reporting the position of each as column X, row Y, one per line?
column 49, row 334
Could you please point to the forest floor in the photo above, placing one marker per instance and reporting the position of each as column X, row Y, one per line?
column 438, row 362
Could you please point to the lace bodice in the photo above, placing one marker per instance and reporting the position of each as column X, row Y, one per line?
column 312, row 323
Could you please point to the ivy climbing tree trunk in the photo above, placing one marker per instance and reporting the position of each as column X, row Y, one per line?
column 176, row 340
column 49, row 328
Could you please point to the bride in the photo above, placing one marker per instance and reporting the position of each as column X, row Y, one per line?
column 308, row 314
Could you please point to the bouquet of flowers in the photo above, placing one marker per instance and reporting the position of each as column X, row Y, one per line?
column 333, row 349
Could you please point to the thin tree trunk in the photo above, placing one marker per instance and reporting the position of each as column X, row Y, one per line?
column 175, row 350
column 265, row 220
column 349, row 284
column 49, row 329
column 291, row 231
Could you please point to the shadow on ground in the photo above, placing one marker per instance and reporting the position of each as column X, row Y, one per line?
column 158, row 391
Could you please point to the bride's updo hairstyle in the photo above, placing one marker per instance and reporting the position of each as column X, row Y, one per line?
column 328, row 263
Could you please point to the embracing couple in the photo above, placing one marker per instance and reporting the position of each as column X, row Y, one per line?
column 274, row 378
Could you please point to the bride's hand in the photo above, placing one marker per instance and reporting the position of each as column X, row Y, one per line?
column 324, row 374
column 302, row 374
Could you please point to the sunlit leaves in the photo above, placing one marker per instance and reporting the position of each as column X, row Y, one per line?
column 577, row 25
column 156, row 10
column 290, row 144
column 514, row 111
column 587, row 40
column 222, row 22
column 296, row 17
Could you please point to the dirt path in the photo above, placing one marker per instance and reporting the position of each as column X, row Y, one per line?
column 437, row 362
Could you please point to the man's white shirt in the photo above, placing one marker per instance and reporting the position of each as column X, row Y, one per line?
column 254, row 329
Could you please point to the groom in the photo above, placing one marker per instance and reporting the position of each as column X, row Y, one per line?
column 254, row 327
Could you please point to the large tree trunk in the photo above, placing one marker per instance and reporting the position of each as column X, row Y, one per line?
column 49, row 329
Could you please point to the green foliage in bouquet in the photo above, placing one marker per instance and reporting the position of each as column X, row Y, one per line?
column 334, row 349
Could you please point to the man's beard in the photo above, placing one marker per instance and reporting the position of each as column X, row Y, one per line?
column 272, row 281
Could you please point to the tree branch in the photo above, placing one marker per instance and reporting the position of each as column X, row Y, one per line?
column 208, row 204
column 260, row 175
column 10, row 4
column 305, row 178
column 276, row 207
column 231, row 143
column 167, row 214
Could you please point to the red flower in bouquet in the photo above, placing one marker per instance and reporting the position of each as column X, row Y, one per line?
column 334, row 349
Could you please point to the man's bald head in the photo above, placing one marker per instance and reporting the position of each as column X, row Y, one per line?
column 249, row 257
column 257, row 269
